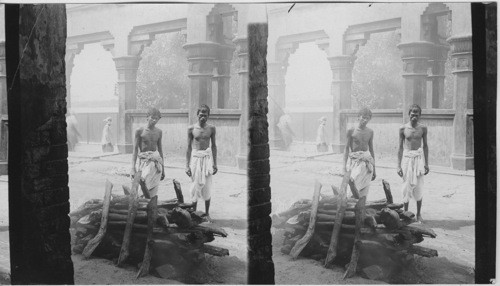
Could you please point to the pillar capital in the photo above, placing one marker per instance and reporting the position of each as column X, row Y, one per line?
column 127, row 62
column 242, row 50
column 416, row 56
column 461, row 53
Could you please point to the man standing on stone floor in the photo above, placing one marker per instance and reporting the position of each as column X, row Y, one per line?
column 201, row 157
column 413, row 155
column 148, row 148
column 359, row 157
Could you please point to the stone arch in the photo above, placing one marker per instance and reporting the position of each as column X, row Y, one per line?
column 74, row 46
column 142, row 36
column 357, row 35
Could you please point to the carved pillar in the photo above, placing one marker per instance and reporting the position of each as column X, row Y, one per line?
column 242, row 48
column 437, row 76
column 341, row 91
column 462, row 157
column 415, row 57
column 223, row 68
column 201, row 58
column 4, row 117
column 126, row 68
column 276, row 88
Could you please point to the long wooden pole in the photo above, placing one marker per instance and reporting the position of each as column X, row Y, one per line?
column 301, row 244
column 341, row 206
column 92, row 245
column 132, row 212
column 360, row 218
column 152, row 214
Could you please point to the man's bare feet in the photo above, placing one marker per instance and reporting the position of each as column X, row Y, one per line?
column 420, row 219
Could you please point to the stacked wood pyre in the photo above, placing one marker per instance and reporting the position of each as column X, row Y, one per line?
column 376, row 238
column 164, row 236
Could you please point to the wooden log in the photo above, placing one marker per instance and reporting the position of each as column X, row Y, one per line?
column 92, row 245
column 214, row 250
column 360, row 217
column 420, row 229
column 144, row 189
column 152, row 213
column 211, row 229
column 341, row 206
column 121, row 217
column 390, row 218
column 178, row 191
column 181, row 217
column 132, row 212
column 335, row 190
column 126, row 190
column 301, row 244
column 387, row 191
column 422, row 251
column 354, row 190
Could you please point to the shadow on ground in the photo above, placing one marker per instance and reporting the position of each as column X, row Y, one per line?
column 436, row 270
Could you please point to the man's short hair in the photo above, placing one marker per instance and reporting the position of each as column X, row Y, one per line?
column 415, row 106
column 365, row 111
column 154, row 112
column 203, row 107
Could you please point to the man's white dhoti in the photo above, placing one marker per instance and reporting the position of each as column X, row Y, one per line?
column 151, row 165
column 201, row 174
column 413, row 163
column 361, row 164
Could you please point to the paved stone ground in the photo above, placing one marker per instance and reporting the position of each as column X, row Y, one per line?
column 448, row 203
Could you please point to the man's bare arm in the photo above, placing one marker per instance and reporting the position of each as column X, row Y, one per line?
column 214, row 149
column 347, row 146
column 137, row 143
column 426, row 149
column 370, row 148
column 160, row 150
column 189, row 150
column 400, row 150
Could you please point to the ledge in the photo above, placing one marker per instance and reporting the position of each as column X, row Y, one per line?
column 164, row 112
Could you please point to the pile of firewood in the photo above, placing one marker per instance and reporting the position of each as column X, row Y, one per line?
column 160, row 236
column 375, row 238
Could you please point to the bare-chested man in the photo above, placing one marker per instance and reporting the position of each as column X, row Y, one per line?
column 413, row 158
column 359, row 156
column 147, row 146
column 201, row 157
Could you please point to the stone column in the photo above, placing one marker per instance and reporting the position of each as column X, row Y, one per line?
column 126, row 68
column 437, row 76
column 276, row 86
column 201, row 58
column 341, row 91
column 462, row 157
column 260, row 251
column 415, row 57
column 4, row 117
column 223, row 65
column 242, row 48
column 40, row 249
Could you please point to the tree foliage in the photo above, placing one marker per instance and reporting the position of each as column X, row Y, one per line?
column 376, row 78
column 162, row 79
